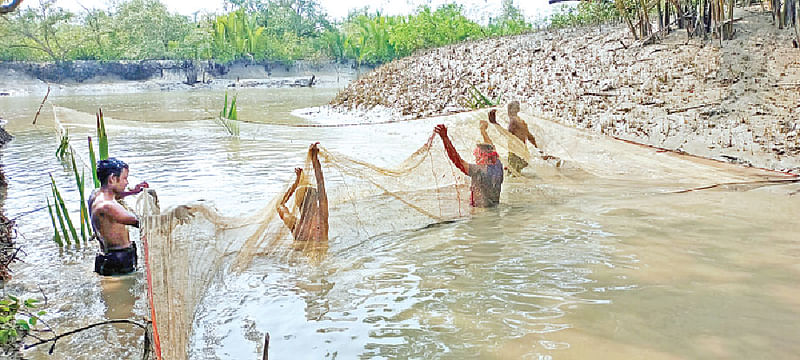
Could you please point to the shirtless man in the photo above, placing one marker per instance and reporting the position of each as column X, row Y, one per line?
column 486, row 173
column 519, row 128
column 109, row 219
column 312, row 202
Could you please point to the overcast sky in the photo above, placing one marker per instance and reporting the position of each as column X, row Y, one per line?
column 479, row 10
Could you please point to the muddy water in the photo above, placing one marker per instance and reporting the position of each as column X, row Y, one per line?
column 576, row 269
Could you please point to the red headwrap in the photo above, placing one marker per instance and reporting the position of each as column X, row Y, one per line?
column 485, row 156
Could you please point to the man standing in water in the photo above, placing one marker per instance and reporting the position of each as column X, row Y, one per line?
column 312, row 202
column 109, row 219
column 486, row 173
column 519, row 128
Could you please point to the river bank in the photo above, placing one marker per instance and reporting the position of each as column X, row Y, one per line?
column 92, row 77
column 736, row 103
column 7, row 250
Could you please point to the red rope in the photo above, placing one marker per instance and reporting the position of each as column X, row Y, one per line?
column 156, row 341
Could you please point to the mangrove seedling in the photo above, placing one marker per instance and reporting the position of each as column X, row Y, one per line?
column 229, row 111
column 63, row 214
column 102, row 137
column 228, row 117
column 79, row 181
column 93, row 160
column 56, row 235
column 63, row 147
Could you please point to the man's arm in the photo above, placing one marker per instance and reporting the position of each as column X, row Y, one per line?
column 530, row 136
column 451, row 150
column 139, row 187
column 118, row 214
column 283, row 212
column 323, row 196
column 484, row 125
column 493, row 116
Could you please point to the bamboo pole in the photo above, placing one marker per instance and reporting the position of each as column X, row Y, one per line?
column 40, row 105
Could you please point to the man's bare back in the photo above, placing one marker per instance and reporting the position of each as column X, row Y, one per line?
column 517, row 126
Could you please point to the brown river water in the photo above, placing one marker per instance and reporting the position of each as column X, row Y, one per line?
column 581, row 269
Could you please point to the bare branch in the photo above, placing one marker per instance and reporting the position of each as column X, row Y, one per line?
column 68, row 333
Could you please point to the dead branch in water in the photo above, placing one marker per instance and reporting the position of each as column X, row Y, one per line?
column 762, row 182
column 40, row 105
column 68, row 333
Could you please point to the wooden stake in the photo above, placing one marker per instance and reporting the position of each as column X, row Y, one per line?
column 42, row 104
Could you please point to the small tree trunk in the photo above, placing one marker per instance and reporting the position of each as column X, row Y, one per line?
column 644, row 20
column 624, row 13
column 679, row 14
column 729, row 30
column 788, row 12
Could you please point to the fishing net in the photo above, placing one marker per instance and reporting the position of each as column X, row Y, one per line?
column 190, row 246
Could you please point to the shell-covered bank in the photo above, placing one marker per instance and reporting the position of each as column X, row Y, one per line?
column 738, row 102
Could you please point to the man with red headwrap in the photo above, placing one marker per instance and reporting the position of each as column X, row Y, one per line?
column 486, row 173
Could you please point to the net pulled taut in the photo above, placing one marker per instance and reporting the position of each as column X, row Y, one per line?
column 190, row 246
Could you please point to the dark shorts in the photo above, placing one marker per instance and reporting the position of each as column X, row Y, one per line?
column 116, row 262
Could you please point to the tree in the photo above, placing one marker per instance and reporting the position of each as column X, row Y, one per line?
column 144, row 29
column 97, row 29
column 510, row 11
column 38, row 30
column 303, row 18
column 236, row 35
column 510, row 22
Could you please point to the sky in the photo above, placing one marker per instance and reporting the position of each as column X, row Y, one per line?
column 478, row 10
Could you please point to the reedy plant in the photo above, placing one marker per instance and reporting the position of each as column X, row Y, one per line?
column 86, row 227
column 63, row 214
column 228, row 117
column 63, row 147
column 56, row 235
column 477, row 100
column 102, row 137
column 93, row 160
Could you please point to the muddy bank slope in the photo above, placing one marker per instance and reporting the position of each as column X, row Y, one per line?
column 25, row 78
column 739, row 102
column 7, row 252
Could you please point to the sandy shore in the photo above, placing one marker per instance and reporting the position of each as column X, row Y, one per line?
column 738, row 103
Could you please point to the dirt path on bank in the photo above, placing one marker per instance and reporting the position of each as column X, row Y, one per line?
column 738, row 103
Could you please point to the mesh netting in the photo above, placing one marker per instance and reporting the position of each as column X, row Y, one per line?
column 188, row 246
